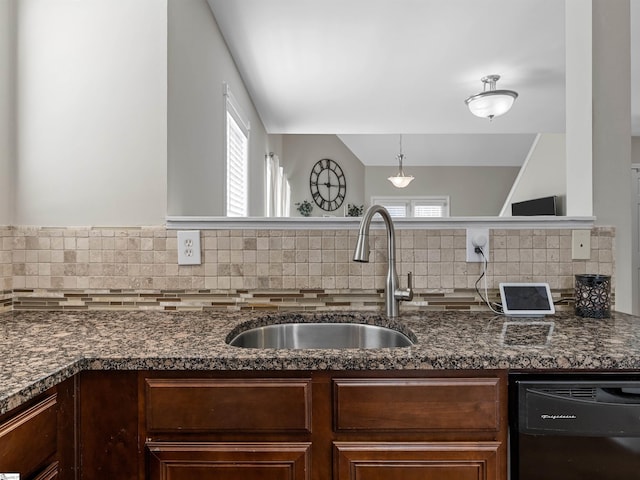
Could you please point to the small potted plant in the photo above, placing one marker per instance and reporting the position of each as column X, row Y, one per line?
column 304, row 208
column 354, row 210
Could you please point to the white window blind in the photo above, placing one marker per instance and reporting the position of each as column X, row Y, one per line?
column 430, row 208
column 237, row 152
column 414, row 206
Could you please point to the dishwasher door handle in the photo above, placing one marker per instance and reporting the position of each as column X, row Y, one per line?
column 544, row 413
column 622, row 395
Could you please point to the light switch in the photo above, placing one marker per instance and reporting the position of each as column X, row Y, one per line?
column 581, row 244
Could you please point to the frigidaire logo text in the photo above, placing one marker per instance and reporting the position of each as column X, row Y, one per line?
column 544, row 416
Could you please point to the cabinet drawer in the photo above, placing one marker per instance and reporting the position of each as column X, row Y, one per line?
column 28, row 440
column 252, row 405
column 423, row 461
column 410, row 404
column 230, row 461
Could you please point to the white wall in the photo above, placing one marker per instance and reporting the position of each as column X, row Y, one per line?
column 543, row 174
column 473, row 191
column 612, row 137
column 299, row 155
column 91, row 133
column 579, row 106
column 464, row 185
column 198, row 64
column 7, row 109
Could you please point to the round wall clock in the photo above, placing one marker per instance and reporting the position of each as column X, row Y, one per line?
column 328, row 184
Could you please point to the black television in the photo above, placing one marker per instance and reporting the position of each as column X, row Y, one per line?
column 537, row 206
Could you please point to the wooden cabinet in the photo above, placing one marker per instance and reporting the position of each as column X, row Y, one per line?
column 49, row 473
column 267, row 405
column 323, row 425
column 416, row 461
column 273, row 415
column 37, row 439
column 228, row 461
column 427, row 411
column 416, row 404
column 28, row 439
column 109, row 442
column 311, row 425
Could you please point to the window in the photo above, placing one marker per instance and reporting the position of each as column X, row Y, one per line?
column 237, row 153
column 417, row 207
column 278, row 190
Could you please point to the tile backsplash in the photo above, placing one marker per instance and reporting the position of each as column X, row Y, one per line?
column 136, row 267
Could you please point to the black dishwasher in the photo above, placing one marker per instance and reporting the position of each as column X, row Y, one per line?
column 574, row 426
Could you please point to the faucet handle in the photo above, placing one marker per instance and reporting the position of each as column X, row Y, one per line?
column 409, row 287
column 406, row 295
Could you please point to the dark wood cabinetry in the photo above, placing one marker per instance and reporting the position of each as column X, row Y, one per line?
column 229, row 461
column 417, row 461
column 49, row 473
column 426, row 411
column 228, row 405
column 311, row 425
column 322, row 425
column 108, row 434
column 416, row 404
column 28, row 439
column 228, row 428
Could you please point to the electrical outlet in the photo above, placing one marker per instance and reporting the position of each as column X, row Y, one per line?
column 581, row 244
column 189, row 247
column 477, row 237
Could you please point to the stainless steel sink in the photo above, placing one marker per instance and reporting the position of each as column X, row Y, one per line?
column 320, row 335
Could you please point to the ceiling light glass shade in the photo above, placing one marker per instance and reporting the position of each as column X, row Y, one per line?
column 491, row 103
column 400, row 180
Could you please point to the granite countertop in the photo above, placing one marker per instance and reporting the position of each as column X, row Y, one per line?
column 41, row 349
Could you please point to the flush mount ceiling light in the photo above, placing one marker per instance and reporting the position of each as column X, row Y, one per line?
column 491, row 103
column 400, row 180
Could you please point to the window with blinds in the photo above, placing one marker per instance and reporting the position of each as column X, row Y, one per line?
column 417, row 207
column 237, row 169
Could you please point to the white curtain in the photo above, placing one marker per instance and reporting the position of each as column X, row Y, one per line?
column 278, row 189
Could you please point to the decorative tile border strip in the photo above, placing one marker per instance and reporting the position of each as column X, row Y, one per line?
column 6, row 300
column 235, row 300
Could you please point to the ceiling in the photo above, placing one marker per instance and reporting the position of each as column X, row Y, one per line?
column 441, row 149
column 384, row 67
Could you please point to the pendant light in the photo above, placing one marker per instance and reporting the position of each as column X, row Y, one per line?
column 491, row 103
column 400, row 180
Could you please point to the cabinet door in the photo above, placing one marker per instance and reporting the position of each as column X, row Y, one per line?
column 228, row 461
column 49, row 473
column 28, row 440
column 416, row 461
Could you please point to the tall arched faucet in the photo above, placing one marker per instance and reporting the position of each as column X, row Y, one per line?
column 392, row 293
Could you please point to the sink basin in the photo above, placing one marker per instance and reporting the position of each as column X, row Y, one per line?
column 320, row 335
